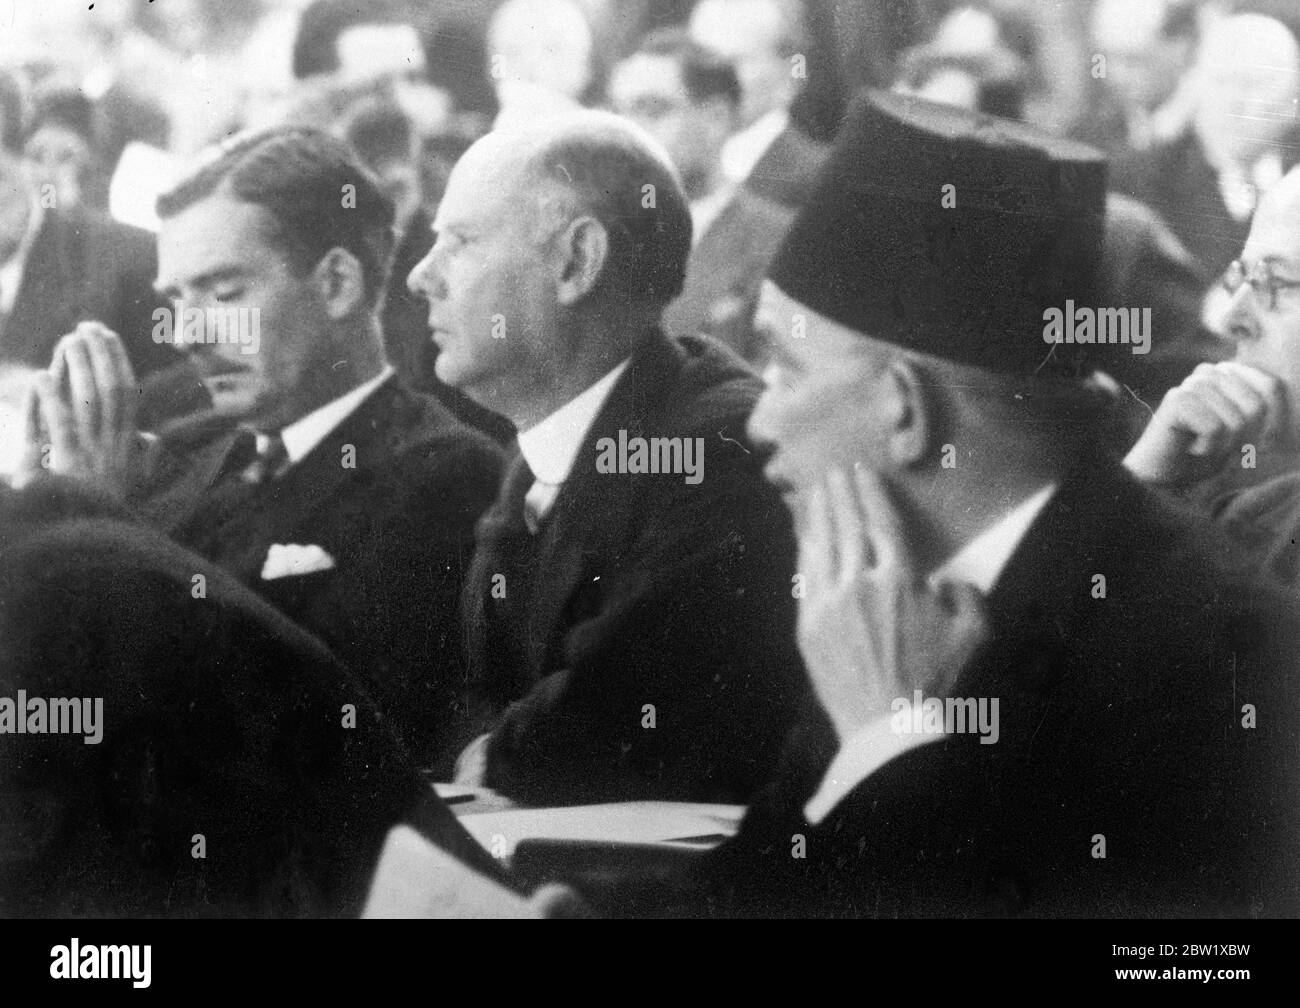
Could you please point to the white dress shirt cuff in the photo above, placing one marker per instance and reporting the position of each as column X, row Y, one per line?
column 863, row 754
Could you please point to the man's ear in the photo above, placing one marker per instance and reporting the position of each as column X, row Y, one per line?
column 584, row 249
column 341, row 282
column 907, row 409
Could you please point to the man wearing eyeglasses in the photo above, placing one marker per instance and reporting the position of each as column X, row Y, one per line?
column 1229, row 435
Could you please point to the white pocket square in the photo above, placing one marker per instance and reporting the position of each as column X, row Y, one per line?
column 294, row 561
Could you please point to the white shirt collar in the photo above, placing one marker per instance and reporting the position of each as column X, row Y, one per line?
column 707, row 210
column 744, row 149
column 981, row 561
column 551, row 447
column 305, row 433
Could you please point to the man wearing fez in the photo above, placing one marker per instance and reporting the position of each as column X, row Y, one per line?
column 1050, row 693
column 631, row 593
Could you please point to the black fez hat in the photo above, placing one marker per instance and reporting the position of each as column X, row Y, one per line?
column 885, row 247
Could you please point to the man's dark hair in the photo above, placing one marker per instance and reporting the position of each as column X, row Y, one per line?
column 705, row 73
column 299, row 176
column 379, row 131
column 607, row 170
column 13, row 108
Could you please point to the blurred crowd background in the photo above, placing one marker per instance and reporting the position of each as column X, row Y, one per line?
column 1195, row 104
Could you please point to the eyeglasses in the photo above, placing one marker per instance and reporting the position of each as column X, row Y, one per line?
column 1261, row 279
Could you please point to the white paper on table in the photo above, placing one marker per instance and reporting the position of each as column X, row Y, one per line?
column 455, row 792
column 416, row 879
column 646, row 822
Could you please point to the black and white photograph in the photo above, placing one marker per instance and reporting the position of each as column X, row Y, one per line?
column 651, row 459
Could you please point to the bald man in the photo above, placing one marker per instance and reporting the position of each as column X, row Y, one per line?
column 1207, row 182
column 631, row 594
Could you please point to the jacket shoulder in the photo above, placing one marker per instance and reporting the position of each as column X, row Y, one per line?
column 713, row 387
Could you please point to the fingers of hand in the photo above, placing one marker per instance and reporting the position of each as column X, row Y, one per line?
column 848, row 527
column 81, row 389
column 1266, row 386
column 817, row 560
column 55, row 417
column 1247, row 397
column 1209, row 419
column 885, row 527
column 114, row 379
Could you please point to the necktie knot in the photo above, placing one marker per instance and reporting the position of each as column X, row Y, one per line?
column 270, row 459
column 537, row 502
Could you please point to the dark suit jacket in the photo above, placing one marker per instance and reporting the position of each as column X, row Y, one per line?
column 220, row 718
column 642, row 590
column 724, row 274
column 399, row 527
column 1265, row 519
column 1176, row 181
column 1120, row 717
column 86, row 266
column 788, row 168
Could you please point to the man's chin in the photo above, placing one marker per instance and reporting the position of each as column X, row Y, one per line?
column 451, row 373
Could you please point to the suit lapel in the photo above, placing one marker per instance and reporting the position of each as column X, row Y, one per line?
column 287, row 509
column 1041, row 611
column 49, row 298
column 280, row 509
column 189, row 463
column 592, row 510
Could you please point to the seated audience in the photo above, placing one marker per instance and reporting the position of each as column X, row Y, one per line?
column 767, row 152
column 1143, row 93
column 317, row 478
column 1205, row 183
column 62, row 263
column 973, row 621
column 950, row 498
column 636, row 613
column 1229, row 436
column 687, row 98
column 61, row 147
column 1062, row 724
